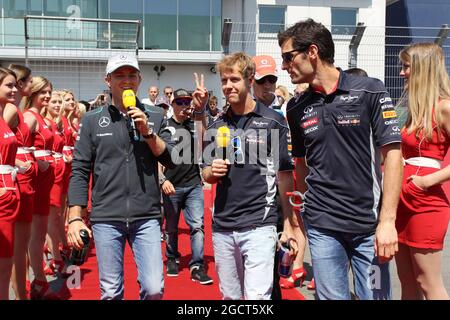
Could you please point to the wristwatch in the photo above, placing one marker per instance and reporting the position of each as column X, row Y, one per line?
column 162, row 180
column 150, row 134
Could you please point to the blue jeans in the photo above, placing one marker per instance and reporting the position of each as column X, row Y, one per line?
column 190, row 199
column 145, row 241
column 332, row 252
column 244, row 262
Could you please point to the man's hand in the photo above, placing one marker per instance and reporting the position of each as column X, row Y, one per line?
column 386, row 241
column 168, row 188
column 73, row 234
column 200, row 97
column 140, row 119
column 289, row 238
column 219, row 168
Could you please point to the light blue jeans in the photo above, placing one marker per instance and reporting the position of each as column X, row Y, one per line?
column 244, row 262
column 333, row 252
column 190, row 199
column 145, row 241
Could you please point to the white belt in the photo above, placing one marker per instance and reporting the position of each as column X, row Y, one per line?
column 5, row 169
column 68, row 148
column 57, row 155
column 424, row 162
column 42, row 153
column 24, row 150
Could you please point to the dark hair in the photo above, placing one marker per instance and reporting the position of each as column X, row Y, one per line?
column 357, row 72
column 86, row 104
column 306, row 33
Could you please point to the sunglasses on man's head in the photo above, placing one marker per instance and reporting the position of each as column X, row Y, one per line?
column 271, row 79
column 183, row 102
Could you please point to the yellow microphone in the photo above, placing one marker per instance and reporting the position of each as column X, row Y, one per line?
column 129, row 100
column 223, row 140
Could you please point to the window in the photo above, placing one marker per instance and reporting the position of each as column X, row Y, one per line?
column 194, row 25
column 121, row 34
column 160, row 24
column 271, row 19
column 343, row 21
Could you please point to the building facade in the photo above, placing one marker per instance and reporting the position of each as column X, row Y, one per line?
column 176, row 37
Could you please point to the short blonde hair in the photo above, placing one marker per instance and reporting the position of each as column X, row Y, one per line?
column 244, row 62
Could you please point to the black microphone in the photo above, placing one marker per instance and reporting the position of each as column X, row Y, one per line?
column 129, row 100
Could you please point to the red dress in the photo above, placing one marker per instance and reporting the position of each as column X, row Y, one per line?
column 58, row 165
column 9, row 201
column 26, row 180
column 68, row 132
column 422, row 215
column 43, row 142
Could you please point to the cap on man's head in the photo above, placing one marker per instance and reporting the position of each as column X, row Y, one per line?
column 265, row 66
column 162, row 102
column 121, row 60
column 181, row 93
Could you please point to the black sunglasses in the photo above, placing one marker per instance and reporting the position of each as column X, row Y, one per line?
column 183, row 102
column 289, row 55
column 168, row 93
column 271, row 79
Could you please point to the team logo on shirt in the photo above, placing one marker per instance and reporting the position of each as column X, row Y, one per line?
column 310, row 123
column 8, row 135
column 396, row 129
column 308, row 110
column 349, row 99
column 389, row 114
column 104, row 122
column 388, row 123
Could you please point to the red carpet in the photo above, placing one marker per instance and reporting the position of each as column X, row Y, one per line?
column 176, row 288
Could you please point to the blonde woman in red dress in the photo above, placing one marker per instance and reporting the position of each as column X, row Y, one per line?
column 9, row 193
column 52, row 118
column 424, row 212
column 43, row 143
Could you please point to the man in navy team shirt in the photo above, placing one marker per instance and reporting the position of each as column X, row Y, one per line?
column 245, row 211
column 340, row 127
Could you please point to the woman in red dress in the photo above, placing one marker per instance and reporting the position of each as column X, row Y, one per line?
column 423, row 212
column 26, row 176
column 9, row 193
column 52, row 117
column 43, row 143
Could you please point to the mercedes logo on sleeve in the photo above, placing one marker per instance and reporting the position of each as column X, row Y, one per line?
column 104, row 122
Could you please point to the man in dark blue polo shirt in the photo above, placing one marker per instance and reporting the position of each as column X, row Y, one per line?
column 245, row 211
column 340, row 128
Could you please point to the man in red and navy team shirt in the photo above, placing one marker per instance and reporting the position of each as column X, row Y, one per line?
column 340, row 127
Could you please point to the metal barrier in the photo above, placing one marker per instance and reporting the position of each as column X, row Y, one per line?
column 374, row 49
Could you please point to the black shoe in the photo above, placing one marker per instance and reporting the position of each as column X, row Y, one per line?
column 198, row 274
column 171, row 268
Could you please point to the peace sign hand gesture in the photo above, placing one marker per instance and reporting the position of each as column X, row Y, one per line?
column 200, row 96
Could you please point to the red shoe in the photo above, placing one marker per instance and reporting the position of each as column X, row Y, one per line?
column 295, row 280
column 311, row 285
column 48, row 271
column 40, row 290
column 57, row 266
column 46, row 251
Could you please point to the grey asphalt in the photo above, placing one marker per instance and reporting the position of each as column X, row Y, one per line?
column 396, row 291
